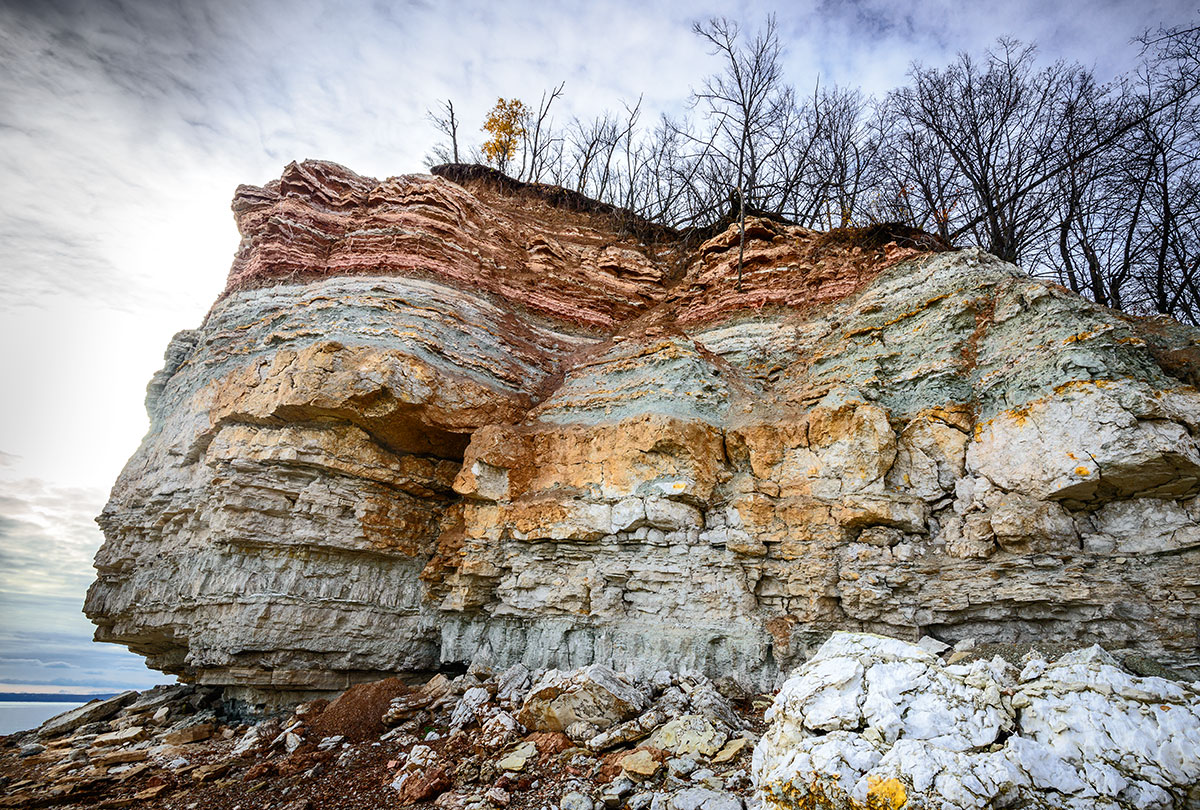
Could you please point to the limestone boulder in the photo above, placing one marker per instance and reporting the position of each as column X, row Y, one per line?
column 594, row 695
column 882, row 722
column 90, row 712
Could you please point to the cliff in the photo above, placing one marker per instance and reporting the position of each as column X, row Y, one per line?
column 432, row 423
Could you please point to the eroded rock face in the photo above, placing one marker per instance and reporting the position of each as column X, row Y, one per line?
column 873, row 721
column 434, row 423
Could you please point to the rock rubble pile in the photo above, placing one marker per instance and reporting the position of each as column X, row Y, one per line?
column 868, row 723
column 588, row 739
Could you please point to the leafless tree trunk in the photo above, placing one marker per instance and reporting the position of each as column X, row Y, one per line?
column 446, row 122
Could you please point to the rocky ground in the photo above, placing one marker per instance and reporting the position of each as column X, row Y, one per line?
column 868, row 723
column 577, row 741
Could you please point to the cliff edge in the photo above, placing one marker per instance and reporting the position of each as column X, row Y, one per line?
column 432, row 423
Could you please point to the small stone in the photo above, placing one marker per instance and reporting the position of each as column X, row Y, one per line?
column 594, row 695
column 933, row 645
column 150, row 792
column 697, row 798
column 581, row 731
column 515, row 759
column 621, row 785
column 250, row 740
column 467, row 710
column 512, row 684
column 681, row 766
column 125, row 735
column 639, row 765
column 30, row 749
column 738, row 780
column 120, row 757
column 419, row 786
column 731, row 750
column 498, row 796
column 640, row 801
column 730, row 689
column 329, row 743
column 190, row 734
column 292, row 741
column 574, row 800
column 689, row 734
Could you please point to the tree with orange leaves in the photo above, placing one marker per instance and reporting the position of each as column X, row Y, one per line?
column 506, row 123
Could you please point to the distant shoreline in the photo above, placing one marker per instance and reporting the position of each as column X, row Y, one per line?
column 42, row 697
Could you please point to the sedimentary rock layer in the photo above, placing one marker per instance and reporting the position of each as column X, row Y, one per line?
column 432, row 423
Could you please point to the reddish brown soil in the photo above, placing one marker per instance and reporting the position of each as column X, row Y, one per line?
column 355, row 713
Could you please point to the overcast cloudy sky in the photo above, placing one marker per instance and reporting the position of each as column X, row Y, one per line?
column 125, row 126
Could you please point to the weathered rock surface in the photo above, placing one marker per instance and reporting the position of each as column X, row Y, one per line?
column 872, row 721
column 429, row 422
column 595, row 695
column 91, row 712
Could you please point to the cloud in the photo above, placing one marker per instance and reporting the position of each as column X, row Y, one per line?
column 37, row 662
column 47, row 640
column 47, row 537
column 47, row 541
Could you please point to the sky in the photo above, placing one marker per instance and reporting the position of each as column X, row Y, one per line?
column 126, row 125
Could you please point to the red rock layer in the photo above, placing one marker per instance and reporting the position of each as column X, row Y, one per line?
column 322, row 220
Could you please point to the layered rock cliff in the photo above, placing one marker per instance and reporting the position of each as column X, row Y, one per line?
column 430, row 423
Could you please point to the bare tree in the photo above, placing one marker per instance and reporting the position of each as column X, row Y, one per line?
column 447, row 123
column 538, row 143
column 997, row 123
column 743, row 105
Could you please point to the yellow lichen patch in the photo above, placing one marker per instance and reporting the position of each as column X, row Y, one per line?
column 1082, row 471
column 1080, row 385
column 886, row 793
column 1019, row 414
column 824, row 794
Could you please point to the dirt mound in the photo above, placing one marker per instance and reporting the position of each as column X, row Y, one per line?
column 473, row 175
column 876, row 236
column 356, row 713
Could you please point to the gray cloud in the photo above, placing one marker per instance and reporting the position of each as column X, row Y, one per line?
column 47, row 540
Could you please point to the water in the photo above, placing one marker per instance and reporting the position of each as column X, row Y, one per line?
column 19, row 715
